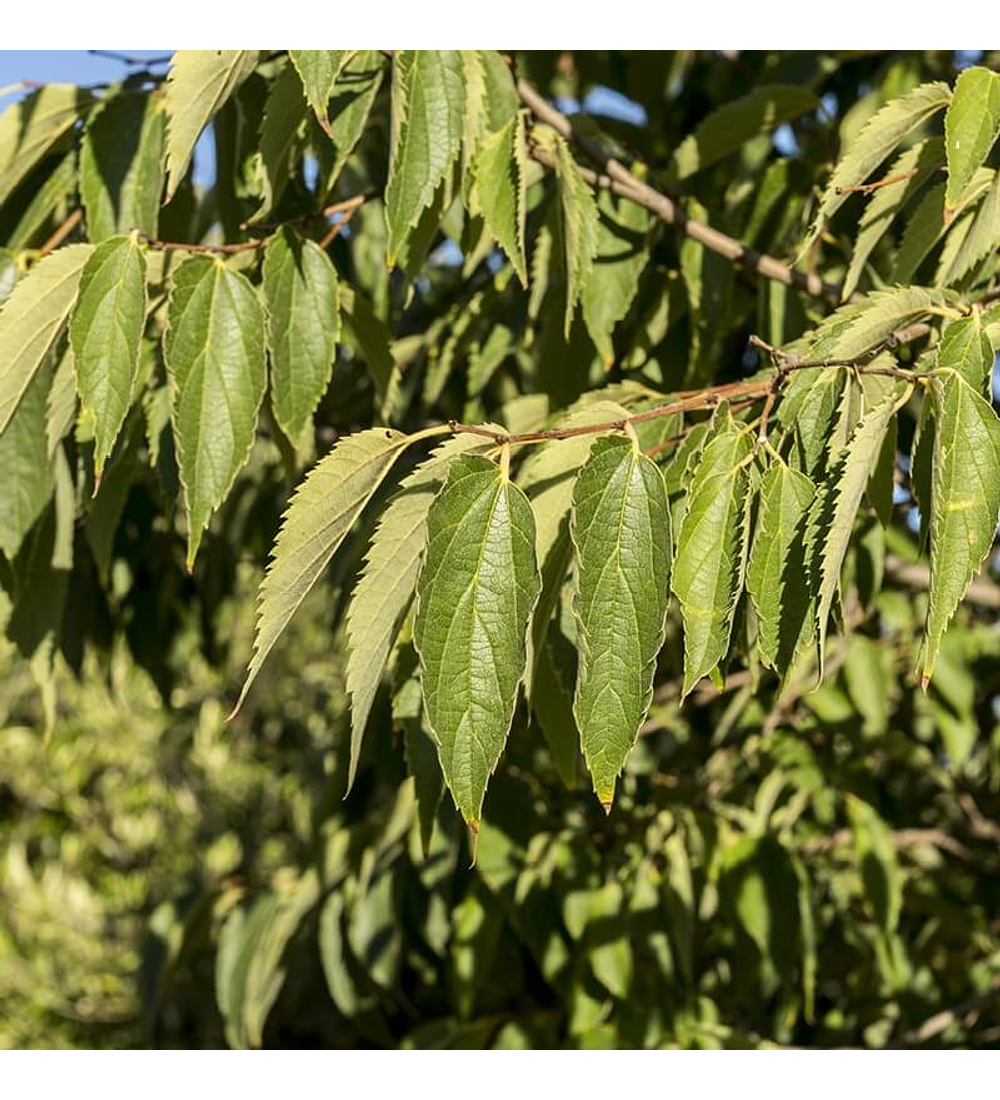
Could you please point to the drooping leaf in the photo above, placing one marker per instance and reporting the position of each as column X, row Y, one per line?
column 621, row 535
column 909, row 172
column 31, row 128
column 622, row 255
column 428, row 97
column 302, row 296
column 51, row 203
column 863, row 325
column 475, row 593
column 105, row 333
column 386, row 586
column 809, row 408
column 26, row 482
column 214, row 350
column 121, row 166
column 354, row 92
column 728, row 128
column 32, row 319
column 316, row 522
column 284, row 115
column 776, row 575
column 580, row 227
column 965, row 348
column 710, row 562
column 836, row 505
column 501, row 176
column 877, row 139
column 965, row 501
column 318, row 71
column 982, row 238
column 198, row 84
column 971, row 127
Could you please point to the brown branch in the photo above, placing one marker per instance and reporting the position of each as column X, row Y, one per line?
column 937, row 1023
column 213, row 249
column 617, row 178
column 866, row 188
column 64, row 230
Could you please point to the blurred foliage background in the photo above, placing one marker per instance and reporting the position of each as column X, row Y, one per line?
column 793, row 869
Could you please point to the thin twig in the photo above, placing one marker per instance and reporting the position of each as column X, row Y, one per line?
column 64, row 230
column 865, row 188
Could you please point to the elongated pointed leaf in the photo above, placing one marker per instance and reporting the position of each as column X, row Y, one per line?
column 809, row 408
column 318, row 71
column 354, row 93
column 386, row 586
column 316, row 522
column 621, row 535
column 710, row 563
column 971, row 126
column 877, row 139
column 32, row 319
column 776, row 575
column 579, row 227
column 105, row 333
column 26, row 481
column 965, row 348
column 284, row 118
column 502, row 186
column 622, row 254
column 836, row 505
column 302, row 295
column 965, row 501
column 860, row 326
column 198, row 84
column 30, row 128
column 475, row 593
column 428, row 97
column 214, row 348
column 982, row 238
column 121, row 166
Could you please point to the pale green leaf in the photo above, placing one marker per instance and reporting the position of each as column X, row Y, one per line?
column 121, row 166
column 354, row 93
column 105, row 332
column 876, row 140
column 622, row 255
column 284, row 115
column 25, row 469
column 387, row 583
column 315, row 523
column 982, row 238
column 621, row 536
column 318, row 70
column 214, row 349
column 500, row 173
column 971, row 126
column 863, row 325
column 198, row 84
column 729, row 127
column 60, row 408
column 51, row 204
column 965, row 348
column 428, row 97
column 710, row 561
column 809, row 408
column 32, row 319
column 580, row 226
column 302, row 296
column 776, row 575
column 835, row 507
column 909, row 172
column 965, row 501
column 475, row 593
column 31, row 128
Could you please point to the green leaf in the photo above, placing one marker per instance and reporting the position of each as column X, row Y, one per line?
column 971, row 126
column 621, row 536
column 198, row 84
column 428, row 97
column 836, row 504
column 878, row 863
column 863, row 325
column 776, row 575
column 109, row 502
column 26, row 482
column 909, row 171
column 965, row 348
column 965, row 501
column 502, row 183
column 370, row 335
column 710, row 562
column 727, row 129
column 876, row 140
column 105, row 333
column 315, row 523
column 51, row 204
column 580, row 225
column 32, row 319
column 60, row 408
column 302, row 296
column 388, row 581
column 809, row 408
column 284, row 115
column 318, row 71
column 214, row 349
column 622, row 255
column 354, row 93
column 475, row 593
column 121, row 166
column 982, row 239
column 31, row 128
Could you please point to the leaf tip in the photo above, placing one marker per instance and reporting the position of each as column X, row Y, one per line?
column 472, row 828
